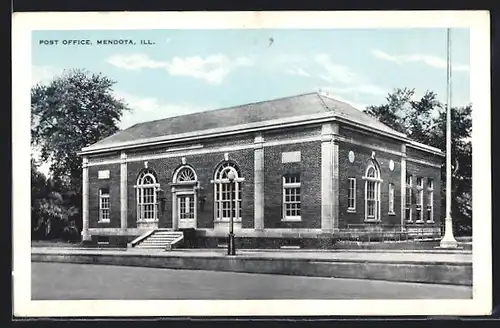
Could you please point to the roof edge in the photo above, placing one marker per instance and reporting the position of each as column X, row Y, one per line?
column 246, row 128
column 424, row 147
column 235, row 129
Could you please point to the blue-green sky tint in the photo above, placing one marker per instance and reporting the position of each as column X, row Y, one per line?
column 184, row 71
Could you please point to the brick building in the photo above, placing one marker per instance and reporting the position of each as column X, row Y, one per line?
column 308, row 169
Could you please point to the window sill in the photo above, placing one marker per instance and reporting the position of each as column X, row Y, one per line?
column 351, row 210
column 224, row 220
column 103, row 221
column 147, row 220
column 372, row 220
column 291, row 219
column 392, row 213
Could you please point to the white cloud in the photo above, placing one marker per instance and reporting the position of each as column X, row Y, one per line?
column 336, row 73
column 291, row 64
column 212, row 69
column 382, row 55
column 150, row 108
column 343, row 80
column 44, row 74
column 287, row 59
column 360, row 89
column 298, row 71
column 433, row 61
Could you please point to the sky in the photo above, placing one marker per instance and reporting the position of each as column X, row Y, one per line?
column 185, row 71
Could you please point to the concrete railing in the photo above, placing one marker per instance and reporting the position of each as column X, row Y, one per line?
column 175, row 241
column 379, row 232
column 137, row 240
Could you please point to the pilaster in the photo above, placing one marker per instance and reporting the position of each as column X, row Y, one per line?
column 403, row 185
column 175, row 221
column 327, row 203
column 123, row 191
column 85, row 199
column 336, row 183
column 259, row 182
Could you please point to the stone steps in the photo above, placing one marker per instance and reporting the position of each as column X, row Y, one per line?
column 160, row 239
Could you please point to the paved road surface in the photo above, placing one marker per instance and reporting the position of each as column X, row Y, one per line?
column 63, row 281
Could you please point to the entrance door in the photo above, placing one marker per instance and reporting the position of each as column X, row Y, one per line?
column 186, row 211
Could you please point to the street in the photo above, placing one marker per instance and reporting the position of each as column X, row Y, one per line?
column 62, row 281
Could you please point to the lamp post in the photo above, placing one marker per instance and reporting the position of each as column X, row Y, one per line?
column 231, row 249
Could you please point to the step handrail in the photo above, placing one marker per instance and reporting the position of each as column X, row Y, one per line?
column 141, row 238
column 170, row 245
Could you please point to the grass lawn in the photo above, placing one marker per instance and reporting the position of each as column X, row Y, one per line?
column 407, row 245
column 54, row 243
column 464, row 242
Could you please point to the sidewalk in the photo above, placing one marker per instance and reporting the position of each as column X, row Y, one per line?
column 441, row 257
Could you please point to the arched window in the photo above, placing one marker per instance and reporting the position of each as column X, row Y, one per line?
column 372, row 192
column 185, row 174
column 147, row 196
column 222, row 192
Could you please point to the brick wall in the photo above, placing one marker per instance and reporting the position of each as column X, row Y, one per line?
column 357, row 170
column 204, row 165
column 309, row 167
column 310, row 176
column 113, row 184
column 426, row 172
column 298, row 132
column 244, row 139
column 369, row 138
column 426, row 156
column 206, row 143
column 104, row 157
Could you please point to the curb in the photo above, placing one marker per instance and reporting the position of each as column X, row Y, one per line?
column 402, row 271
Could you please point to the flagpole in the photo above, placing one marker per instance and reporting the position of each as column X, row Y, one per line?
column 448, row 240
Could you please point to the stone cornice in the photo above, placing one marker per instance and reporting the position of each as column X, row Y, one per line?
column 253, row 127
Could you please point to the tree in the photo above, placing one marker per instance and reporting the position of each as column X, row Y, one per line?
column 414, row 118
column 38, row 191
column 74, row 110
column 424, row 120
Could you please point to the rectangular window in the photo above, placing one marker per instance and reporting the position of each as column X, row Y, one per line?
column 420, row 200
column 391, row 198
column 370, row 199
column 409, row 181
column 104, row 205
column 186, row 207
column 149, row 204
column 157, row 203
column 430, row 200
column 351, row 195
column 291, row 197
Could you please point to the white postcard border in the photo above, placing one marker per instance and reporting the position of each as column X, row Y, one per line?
column 477, row 21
